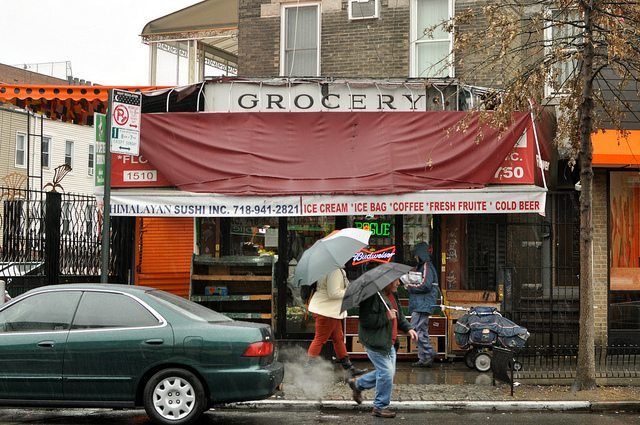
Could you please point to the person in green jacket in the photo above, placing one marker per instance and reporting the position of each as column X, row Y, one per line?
column 380, row 319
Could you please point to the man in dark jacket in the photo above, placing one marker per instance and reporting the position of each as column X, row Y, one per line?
column 380, row 319
column 423, row 298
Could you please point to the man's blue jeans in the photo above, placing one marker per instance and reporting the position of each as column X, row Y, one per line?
column 381, row 378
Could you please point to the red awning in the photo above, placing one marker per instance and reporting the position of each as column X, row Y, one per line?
column 325, row 153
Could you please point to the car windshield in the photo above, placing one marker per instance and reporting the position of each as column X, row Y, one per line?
column 188, row 308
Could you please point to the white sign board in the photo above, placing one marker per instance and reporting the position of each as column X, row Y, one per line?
column 125, row 122
column 494, row 200
column 312, row 97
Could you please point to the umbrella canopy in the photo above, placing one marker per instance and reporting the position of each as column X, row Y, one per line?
column 370, row 282
column 329, row 253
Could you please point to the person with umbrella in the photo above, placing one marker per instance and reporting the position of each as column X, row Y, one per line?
column 325, row 306
column 323, row 263
column 422, row 301
column 380, row 320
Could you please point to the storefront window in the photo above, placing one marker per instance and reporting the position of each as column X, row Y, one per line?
column 624, row 298
column 302, row 232
column 624, row 194
column 253, row 236
column 417, row 228
column 381, row 243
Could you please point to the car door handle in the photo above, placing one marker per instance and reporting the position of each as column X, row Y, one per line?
column 46, row 344
column 157, row 341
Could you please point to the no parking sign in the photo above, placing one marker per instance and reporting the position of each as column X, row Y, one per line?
column 125, row 122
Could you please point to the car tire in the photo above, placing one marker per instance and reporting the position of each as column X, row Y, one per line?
column 174, row 397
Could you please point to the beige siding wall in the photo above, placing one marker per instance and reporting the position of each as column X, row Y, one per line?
column 14, row 122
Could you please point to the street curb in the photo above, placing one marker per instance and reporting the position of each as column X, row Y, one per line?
column 446, row 405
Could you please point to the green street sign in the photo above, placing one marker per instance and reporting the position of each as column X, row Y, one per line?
column 100, row 122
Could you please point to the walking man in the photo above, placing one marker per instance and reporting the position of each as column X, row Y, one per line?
column 380, row 319
column 423, row 298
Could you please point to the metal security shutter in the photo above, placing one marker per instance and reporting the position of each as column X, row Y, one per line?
column 164, row 247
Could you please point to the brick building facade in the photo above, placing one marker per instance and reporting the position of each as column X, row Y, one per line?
column 382, row 48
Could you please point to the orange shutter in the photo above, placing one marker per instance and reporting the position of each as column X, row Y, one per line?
column 164, row 247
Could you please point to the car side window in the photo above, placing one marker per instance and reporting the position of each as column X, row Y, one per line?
column 99, row 310
column 47, row 311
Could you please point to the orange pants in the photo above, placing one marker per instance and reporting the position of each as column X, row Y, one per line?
column 328, row 327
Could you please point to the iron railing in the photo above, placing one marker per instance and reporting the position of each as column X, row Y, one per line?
column 561, row 362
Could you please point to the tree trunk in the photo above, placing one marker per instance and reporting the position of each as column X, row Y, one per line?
column 586, row 372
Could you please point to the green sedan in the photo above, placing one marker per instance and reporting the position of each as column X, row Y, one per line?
column 91, row 345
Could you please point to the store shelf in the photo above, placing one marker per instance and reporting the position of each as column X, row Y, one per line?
column 248, row 315
column 239, row 287
column 231, row 278
column 203, row 298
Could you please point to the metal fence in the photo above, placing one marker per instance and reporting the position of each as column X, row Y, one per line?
column 50, row 238
column 561, row 362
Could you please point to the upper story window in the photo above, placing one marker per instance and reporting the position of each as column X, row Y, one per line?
column 45, row 152
column 68, row 153
column 21, row 150
column 90, row 161
column 431, row 49
column 562, row 38
column 300, row 41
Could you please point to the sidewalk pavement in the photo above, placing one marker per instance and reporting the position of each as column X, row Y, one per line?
column 445, row 386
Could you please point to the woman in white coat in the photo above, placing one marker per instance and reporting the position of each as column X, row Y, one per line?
column 325, row 305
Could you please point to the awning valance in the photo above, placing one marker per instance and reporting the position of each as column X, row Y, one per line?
column 9, row 92
column 613, row 149
column 69, row 103
column 295, row 153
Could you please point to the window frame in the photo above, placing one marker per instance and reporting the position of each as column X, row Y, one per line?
column 144, row 306
column 48, row 151
column 20, row 134
column 72, row 144
column 413, row 41
column 283, row 27
column 548, row 45
column 91, row 160
column 17, row 301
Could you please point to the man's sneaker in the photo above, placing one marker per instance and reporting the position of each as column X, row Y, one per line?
column 357, row 394
column 383, row 413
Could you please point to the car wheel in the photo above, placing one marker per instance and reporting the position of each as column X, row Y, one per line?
column 483, row 361
column 174, row 396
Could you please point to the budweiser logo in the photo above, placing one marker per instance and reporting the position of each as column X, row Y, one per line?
column 383, row 255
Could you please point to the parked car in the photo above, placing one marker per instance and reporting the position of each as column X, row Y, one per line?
column 91, row 345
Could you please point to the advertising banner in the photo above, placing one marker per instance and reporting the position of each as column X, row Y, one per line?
column 494, row 200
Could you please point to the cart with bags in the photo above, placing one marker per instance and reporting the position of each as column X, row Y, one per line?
column 481, row 329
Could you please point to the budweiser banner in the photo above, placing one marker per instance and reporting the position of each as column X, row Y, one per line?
column 175, row 203
column 383, row 255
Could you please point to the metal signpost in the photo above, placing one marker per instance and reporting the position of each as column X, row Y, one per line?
column 123, row 137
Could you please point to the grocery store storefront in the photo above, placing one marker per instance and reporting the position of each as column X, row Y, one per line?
column 265, row 170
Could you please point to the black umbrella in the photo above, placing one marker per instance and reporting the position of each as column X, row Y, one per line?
column 371, row 282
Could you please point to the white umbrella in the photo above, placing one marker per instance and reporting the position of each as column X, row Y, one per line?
column 329, row 253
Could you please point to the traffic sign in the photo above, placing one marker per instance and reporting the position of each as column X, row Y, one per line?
column 125, row 122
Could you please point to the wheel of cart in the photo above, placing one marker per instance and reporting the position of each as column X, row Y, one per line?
column 470, row 357
column 482, row 360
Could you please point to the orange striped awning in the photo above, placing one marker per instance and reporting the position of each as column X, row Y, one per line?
column 9, row 92
column 68, row 103
column 613, row 149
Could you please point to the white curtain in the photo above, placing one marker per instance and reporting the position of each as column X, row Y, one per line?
column 301, row 41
